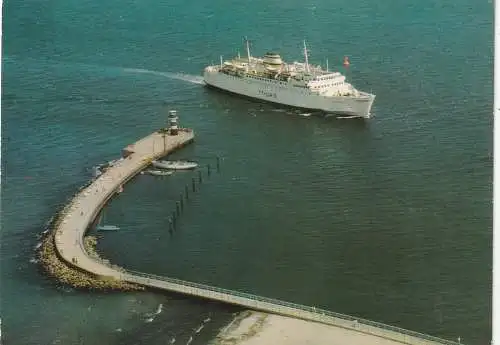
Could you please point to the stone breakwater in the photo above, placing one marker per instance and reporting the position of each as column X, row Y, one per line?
column 66, row 274
column 66, row 252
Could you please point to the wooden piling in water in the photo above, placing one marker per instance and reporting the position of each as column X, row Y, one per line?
column 72, row 263
column 194, row 184
column 63, row 254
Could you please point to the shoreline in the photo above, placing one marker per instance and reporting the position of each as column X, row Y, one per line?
column 68, row 254
column 257, row 328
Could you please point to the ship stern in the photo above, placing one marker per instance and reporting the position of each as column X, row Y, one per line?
column 208, row 75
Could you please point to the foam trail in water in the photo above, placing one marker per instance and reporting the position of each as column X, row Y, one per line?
column 172, row 340
column 151, row 316
column 190, row 340
column 159, row 309
column 199, row 328
column 194, row 79
column 347, row 117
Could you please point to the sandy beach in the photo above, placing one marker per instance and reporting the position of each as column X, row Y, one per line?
column 255, row 328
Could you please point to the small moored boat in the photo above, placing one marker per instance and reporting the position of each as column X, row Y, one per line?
column 159, row 172
column 102, row 227
column 174, row 165
column 107, row 228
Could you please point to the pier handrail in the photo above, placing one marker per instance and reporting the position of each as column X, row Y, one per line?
column 100, row 268
column 321, row 313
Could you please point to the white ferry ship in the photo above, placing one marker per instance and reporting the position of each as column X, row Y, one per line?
column 296, row 84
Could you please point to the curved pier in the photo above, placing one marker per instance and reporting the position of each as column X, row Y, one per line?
column 87, row 204
column 83, row 209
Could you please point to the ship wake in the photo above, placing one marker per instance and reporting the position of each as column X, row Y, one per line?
column 193, row 79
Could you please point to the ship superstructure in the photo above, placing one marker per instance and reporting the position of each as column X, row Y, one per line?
column 297, row 84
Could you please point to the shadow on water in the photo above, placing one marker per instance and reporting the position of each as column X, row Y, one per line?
column 231, row 100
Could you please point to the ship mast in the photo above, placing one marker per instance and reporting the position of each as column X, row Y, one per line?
column 248, row 49
column 306, row 57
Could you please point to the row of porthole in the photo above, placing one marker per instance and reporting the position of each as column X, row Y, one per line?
column 301, row 87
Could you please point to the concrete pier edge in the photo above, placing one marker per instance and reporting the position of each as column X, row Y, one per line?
column 58, row 265
column 72, row 223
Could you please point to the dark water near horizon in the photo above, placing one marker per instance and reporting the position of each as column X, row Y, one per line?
column 388, row 219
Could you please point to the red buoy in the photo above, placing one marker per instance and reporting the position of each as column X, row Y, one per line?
column 346, row 61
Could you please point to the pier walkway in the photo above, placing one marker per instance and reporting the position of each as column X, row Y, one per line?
column 85, row 207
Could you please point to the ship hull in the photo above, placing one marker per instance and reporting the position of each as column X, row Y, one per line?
column 284, row 94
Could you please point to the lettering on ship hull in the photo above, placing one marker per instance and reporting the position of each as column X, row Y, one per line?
column 268, row 94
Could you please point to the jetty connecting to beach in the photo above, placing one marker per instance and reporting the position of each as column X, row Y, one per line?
column 66, row 244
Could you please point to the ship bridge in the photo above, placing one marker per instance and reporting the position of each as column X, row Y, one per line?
column 330, row 84
column 327, row 80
